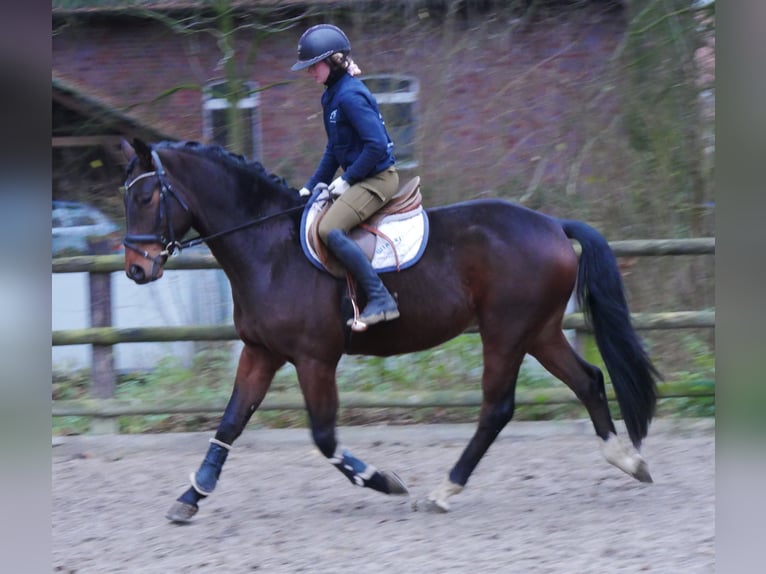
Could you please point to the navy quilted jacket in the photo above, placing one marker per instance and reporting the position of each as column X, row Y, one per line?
column 357, row 140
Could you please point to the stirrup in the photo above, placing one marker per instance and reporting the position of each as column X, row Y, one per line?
column 359, row 324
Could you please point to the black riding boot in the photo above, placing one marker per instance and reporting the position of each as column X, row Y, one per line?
column 381, row 306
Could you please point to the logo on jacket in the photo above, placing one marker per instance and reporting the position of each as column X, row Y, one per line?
column 334, row 116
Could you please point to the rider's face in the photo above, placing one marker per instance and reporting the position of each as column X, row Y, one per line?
column 319, row 71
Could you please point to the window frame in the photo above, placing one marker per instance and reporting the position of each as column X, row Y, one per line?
column 409, row 96
column 212, row 102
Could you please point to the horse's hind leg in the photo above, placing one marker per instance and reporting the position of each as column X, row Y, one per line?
column 255, row 372
column 317, row 380
column 498, row 402
column 554, row 352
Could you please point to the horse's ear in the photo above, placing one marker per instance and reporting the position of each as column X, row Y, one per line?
column 140, row 149
column 127, row 150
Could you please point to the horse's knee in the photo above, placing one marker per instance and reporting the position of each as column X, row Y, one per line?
column 325, row 441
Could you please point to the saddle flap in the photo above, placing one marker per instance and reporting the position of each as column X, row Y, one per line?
column 361, row 236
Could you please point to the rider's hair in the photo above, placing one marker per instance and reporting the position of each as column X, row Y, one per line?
column 342, row 61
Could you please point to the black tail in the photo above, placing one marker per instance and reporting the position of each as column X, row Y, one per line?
column 601, row 296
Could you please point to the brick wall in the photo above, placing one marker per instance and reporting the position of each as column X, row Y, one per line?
column 500, row 113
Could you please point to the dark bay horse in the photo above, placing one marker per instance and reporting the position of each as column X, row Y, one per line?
column 504, row 269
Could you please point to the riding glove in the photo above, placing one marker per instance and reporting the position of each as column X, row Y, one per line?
column 338, row 187
column 304, row 192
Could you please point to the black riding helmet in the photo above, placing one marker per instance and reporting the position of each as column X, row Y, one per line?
column 318, row 43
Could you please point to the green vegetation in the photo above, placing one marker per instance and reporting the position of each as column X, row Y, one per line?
column 454, row 366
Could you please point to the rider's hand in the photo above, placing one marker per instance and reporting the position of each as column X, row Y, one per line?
column 338, row 187
column 304, row 192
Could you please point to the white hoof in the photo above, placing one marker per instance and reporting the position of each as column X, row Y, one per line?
column 437, row 501
column 626, row 458
column 429, row 505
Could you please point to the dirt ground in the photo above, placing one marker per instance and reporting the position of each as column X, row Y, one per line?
column 543, row 500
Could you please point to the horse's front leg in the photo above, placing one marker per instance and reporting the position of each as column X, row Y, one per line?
column 317, row 380
column 255, row 372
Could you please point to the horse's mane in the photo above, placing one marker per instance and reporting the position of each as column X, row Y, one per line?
column 237, row 161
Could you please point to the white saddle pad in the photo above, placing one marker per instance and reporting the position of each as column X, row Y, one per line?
column 408, row 233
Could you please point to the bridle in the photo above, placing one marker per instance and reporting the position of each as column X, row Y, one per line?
column 167, row 239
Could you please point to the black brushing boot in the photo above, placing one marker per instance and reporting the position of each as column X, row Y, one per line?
column 381, row 306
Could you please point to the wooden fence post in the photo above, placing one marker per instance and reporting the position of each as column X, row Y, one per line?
column 102, row 360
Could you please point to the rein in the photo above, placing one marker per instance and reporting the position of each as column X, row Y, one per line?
column 171, row 244
column 199, row 239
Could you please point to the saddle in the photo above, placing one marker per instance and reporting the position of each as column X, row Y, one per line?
column 406, row 204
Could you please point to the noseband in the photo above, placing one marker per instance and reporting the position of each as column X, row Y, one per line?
column 166, row 238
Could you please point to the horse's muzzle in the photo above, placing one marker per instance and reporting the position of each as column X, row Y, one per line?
column 143, row 267
column 139, row 275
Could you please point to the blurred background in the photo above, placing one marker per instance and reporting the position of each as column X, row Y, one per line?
column 595, row 110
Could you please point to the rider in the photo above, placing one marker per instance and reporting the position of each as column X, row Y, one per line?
column 358, row 142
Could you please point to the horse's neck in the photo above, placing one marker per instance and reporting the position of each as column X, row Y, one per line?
column 232, row 209
column 245, row 218
column 246, row 240
column 225, row 198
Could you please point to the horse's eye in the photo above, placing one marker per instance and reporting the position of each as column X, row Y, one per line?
column 145, row 199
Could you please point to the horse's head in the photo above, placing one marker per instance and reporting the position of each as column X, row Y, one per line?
column 156, row 214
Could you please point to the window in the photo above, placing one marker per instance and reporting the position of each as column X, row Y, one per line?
column 397, row 97
column 217, row 104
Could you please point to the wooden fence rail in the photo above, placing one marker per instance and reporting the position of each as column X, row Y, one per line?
column 103, row 337
column 630, row 247
column 283, row 401
column 114, row 336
